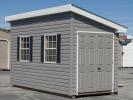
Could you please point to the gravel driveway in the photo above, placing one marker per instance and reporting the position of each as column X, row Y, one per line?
column 7, row 92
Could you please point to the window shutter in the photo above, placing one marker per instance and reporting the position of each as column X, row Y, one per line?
column 31, row 48
column 58, row 47
column 18, row 47
column 42, row 48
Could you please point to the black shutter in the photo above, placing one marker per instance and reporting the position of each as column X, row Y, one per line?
column 31, row 47
column 58, row 47
column 42, row 48
column 18, row 46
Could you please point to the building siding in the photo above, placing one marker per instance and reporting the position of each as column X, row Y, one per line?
column 82, row 24
column 59, row 77
column 5, row 64
column 48, row 77
column 5, row 35
column 116, row 62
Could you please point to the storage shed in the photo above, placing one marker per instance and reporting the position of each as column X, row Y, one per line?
column 4, row 49
column 66, row 50
column 128, row 53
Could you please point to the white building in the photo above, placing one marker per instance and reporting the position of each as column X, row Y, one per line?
column 128, row 54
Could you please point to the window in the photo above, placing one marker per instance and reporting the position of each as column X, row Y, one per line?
column 50, row 48
column 24, row 48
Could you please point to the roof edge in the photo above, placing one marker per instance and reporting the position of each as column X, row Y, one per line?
column 99, row 15
column 37, row 13
column 65, row 8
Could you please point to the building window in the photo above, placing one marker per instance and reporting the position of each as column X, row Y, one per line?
column 50, row 48
column 24, row 48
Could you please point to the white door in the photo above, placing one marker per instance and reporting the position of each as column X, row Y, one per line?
column 95, row 62
column 3, row 54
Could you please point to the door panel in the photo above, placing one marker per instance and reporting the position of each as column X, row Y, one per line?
column 95, row 62
column 3, row 54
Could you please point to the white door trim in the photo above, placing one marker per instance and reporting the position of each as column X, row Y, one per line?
column 77, row 63
column 77, row 59
column 8, row 60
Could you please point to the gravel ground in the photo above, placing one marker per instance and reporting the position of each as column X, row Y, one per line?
column 7, row 92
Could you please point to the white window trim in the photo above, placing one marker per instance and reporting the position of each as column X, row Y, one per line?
column 21, row 48
column 50, row 48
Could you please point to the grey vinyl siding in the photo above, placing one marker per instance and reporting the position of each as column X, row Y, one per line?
column 48, row 77
column 116, row 62
column 82, row 24
column 120, row 56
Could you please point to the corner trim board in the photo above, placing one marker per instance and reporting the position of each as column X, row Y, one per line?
column 77, row 62
column 113, row 67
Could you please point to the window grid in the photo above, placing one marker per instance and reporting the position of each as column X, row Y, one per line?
column 24, row 48
column 50, row 48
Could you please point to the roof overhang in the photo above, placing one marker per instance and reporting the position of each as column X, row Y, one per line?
column 67, row 8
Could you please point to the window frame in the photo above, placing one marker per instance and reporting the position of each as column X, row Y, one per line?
column 51, row 48
column 23, row 36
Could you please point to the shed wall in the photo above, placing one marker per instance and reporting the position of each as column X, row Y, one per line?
column 5, row 35
column 82, row 24
column 5, row 49
column 120, row 56
column 128, row 53
column 48, row 77
column 59, row 78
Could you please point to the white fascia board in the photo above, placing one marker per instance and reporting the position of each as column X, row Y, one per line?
column 66, row 8
column 38, row 13
column 99, row 19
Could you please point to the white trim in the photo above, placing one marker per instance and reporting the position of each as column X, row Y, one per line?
column 8, row 60
column 50, row 62
column 113, row 67
column 99, row 19
column 77, row 62
column 51, row 48
column 77, row 55
column 95, row 32
column 8, row 55
column 37, row 13
column 67, row 8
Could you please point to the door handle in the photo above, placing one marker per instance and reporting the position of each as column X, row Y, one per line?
column 98, row 69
